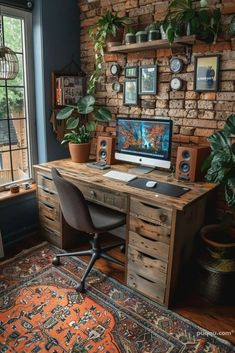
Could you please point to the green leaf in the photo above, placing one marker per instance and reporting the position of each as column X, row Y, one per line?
column 65, row 113
column 230, row 192
column 86, row 104
column 103, row 114
column 218, row 140
column 72, row 123
column 91, row 126
column 229, row 126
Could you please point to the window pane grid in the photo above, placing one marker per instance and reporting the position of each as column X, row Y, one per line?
column 14, row 134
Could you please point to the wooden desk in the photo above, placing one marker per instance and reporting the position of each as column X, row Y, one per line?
column 160, row 229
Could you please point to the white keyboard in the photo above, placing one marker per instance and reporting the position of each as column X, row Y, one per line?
column 121, row 176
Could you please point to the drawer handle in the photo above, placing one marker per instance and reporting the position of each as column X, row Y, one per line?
column 93, row 193
column 146, row 279
column 150, row 206
column 163, row 217
column 139, row 231
column 45, row 176
column 48, row 192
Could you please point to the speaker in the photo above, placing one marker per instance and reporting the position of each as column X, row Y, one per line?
column 189, row 161
column 105, row 151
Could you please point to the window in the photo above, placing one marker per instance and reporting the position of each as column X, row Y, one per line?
column 16, row 100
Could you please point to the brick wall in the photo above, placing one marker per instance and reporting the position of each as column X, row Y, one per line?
column 195, row 115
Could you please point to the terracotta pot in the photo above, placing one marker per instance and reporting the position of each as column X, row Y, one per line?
column 117, row 40
column 79, row 152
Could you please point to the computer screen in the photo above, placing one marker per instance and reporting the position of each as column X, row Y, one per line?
column 144, row 141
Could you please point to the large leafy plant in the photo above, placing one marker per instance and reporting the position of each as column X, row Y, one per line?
column 202, row 21
column 76, row 115
column 220, row 165
column 108, row 24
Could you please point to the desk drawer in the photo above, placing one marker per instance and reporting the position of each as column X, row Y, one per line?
column 46, row 196
column 52, row 236
column 44, row 180
column 115, row 200
column 151, row 212
column 49, row 223
column 147, row 266
column 49, row 211
column 147, row 287
column 153, row 248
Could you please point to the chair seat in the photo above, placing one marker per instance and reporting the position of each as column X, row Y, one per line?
column 104, row 218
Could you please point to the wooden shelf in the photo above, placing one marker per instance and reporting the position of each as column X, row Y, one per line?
column 154, row 44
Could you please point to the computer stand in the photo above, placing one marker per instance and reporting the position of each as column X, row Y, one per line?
column 142, row 169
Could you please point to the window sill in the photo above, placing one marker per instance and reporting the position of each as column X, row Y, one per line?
column 5, row 195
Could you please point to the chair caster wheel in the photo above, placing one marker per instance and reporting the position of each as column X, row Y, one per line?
column 80, row 288
column 56, row 261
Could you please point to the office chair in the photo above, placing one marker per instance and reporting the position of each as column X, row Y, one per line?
column 86, row 217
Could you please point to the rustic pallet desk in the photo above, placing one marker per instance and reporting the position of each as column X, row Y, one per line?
column 160, row 229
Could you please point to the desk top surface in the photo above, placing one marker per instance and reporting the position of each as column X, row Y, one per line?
column 95, row 177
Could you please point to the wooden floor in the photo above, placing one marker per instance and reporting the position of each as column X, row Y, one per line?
column 215, row 318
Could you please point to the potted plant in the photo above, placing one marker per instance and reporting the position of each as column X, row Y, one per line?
column 153, row 30
column 108, row 29
column 218, row 253
column 79, row 136
column 130, row 36
column 184, row 19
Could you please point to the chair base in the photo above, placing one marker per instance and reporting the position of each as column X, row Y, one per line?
column 96, row 253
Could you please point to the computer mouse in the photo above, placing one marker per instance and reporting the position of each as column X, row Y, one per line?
column 151, row 184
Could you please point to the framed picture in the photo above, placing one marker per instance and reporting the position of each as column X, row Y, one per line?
column 67, row 89
column 130, row 92
column 206, row 73
column 148, row 79
column 131, row 71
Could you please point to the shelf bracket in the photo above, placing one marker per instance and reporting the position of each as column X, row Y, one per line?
column 188, row 53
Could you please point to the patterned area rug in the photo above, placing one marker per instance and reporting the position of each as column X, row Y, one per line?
column 40, row 312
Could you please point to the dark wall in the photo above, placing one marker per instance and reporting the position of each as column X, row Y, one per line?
column 56, row 42
column 18, row 218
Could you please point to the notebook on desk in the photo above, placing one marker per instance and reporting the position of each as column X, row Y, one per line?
column 160, row 188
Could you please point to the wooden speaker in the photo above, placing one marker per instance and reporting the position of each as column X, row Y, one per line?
column 105, row 151
column 189, row 161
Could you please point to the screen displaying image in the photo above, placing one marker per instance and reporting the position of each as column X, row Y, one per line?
column 145, row 138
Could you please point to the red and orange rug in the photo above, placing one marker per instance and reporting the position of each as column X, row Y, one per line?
column 41, row 312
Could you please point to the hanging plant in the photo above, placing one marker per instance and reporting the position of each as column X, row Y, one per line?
column 107, row 24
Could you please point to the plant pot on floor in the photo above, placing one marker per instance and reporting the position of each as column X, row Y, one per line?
column 79, row 152
column 216, row 265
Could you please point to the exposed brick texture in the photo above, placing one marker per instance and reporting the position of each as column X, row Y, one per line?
column 195, row 115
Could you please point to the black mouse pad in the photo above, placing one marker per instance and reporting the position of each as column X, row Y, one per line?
column 160, row 188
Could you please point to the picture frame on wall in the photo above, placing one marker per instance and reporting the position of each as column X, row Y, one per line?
column 206, row 73
column 131, row 71
column 67, row 89
column 130, row 92
column 148, row 80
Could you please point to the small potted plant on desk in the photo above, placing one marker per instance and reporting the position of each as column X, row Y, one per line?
column 79, row 136
column 217, row 259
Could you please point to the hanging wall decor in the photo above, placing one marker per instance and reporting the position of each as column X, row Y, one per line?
column 9, row 64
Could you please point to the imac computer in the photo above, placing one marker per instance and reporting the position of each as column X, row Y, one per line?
column 144, row 141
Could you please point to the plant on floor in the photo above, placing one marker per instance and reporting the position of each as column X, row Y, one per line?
column 72, row 115
column 220, row 165
column 108, row 24
column 183, row 18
